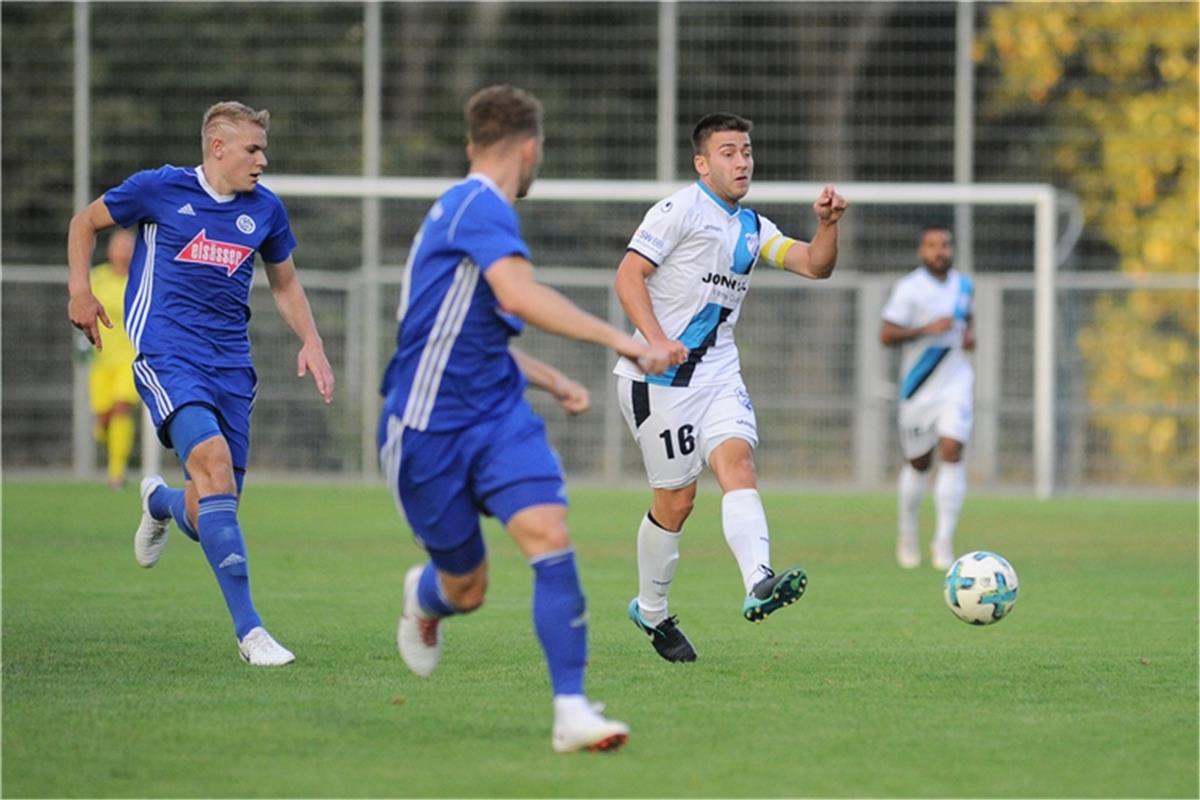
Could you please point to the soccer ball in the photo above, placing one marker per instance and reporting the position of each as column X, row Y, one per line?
column 981, row 588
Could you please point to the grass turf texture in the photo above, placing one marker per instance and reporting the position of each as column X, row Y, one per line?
column 119, row 681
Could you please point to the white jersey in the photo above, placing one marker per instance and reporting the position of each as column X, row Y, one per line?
column 929, row 364
column 703, row 250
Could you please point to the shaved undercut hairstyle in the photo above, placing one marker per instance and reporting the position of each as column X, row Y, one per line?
column 500, row 112
column 229, row 113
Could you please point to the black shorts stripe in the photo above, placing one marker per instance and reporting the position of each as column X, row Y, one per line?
column 641, row 403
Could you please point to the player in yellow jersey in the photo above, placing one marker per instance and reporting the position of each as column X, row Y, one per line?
column 110, row 375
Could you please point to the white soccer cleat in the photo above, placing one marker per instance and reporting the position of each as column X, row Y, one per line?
column 151, row 535
column 582, row 728
column 942, row 555
column 908, row 552
column 418, row 636
column 259, row 649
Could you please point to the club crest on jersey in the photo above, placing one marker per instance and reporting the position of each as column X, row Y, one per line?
column 245, row 224
column 214, row 253
column 752, row 244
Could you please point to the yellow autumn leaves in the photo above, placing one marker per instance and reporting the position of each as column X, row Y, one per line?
column 1118, row 83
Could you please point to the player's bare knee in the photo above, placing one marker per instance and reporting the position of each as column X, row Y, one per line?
column 555, row 538
column 469, row 599
column 672, row 507
column 950, row 450
column 732, row 463
column 740, row 474
column 465, row 592
column 922, row 463
column 211, row 468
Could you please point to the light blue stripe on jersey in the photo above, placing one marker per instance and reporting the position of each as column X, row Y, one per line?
column 446, row 327
column 694, row 335
column 921, row 370
column 966, row 290
column 729, row 209
column 743, row 259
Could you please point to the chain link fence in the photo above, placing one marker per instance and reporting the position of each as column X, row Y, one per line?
column 865, row 92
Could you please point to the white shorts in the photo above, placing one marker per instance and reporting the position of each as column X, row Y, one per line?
column 946, row 415
column 678, row 427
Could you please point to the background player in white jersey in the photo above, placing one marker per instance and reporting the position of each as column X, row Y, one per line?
column 928, row 314
column 682, row 282
column 187, row 312
column 457, row 437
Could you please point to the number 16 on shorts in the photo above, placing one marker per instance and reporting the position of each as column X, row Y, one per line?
column 678, row 427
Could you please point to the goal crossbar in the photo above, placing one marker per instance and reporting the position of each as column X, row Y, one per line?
column 1041, row 197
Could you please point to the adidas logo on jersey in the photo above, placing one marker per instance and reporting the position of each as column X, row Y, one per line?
column 186, row 210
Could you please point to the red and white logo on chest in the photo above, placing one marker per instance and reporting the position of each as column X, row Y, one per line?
column 202, row 250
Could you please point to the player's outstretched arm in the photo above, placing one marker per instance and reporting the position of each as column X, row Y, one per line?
column 83, row 309
column 293, row 306
column 817, row 259
column 571, row 395
column 519, row 293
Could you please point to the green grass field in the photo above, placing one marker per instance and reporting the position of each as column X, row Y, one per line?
column 119, row 681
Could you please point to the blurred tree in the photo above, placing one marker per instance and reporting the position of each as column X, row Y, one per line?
column 1118, row 83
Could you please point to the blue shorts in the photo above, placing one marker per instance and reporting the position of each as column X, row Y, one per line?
column 443, row 481
column 168, row 383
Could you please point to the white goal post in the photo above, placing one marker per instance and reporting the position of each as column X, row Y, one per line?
column 1042, row 198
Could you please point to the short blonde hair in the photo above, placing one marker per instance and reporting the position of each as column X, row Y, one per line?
column 230, row 112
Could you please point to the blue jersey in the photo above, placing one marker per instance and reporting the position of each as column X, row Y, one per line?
column 189, row 281
column 452, row 367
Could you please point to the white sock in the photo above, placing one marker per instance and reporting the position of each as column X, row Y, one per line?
column 658, row 553
column 912, row 491
column 745, row 525
column 570, row 705
column 949, row 492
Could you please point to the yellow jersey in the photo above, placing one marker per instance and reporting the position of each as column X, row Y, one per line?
column 109, row 288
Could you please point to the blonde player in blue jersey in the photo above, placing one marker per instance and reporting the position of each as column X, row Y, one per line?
column 457, row 437
column 187, row 310
column 929, row 315
column 682, row 282
column 111, row 391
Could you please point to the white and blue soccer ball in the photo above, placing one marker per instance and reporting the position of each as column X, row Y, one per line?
column 981, row 588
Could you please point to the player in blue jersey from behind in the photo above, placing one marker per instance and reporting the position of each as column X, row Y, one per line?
column 187, row 313
column 682, row 282
column 929, row 316
column 457, row 437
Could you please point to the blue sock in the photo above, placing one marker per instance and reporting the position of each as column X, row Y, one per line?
column 221, row 540
column 429, row 594
column 560, row 618
column 166, row 502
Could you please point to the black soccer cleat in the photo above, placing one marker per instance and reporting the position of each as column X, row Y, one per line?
column 773, row 593
column 667, row 638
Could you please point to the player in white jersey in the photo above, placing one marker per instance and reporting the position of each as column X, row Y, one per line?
column 928, row 314
column 682, row 281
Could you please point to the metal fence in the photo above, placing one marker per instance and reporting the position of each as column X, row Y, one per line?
column 867, row 92
column 824, row 389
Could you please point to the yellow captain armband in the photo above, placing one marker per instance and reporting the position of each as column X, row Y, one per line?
column 775, row 248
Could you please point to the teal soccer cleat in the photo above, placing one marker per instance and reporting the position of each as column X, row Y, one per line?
column 773, row 593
